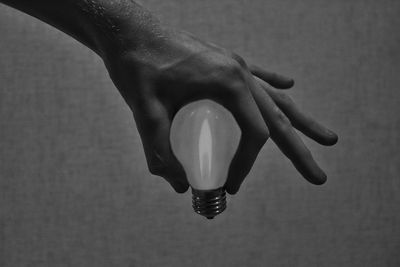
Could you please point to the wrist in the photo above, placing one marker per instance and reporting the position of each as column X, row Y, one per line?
column 122, row 27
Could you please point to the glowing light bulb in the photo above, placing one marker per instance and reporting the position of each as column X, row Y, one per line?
column 204, row 137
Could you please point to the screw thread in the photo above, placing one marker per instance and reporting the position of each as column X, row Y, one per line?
column 209, row 203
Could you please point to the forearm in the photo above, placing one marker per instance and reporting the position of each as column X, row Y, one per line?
column 105, row 26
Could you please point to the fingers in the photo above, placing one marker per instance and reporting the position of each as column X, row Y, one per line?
column 286, row 137
column 254, row 135
column 274, row 79
column 154, row 127
column 299, row 120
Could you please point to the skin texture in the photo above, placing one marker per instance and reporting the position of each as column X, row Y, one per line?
column 158, row 70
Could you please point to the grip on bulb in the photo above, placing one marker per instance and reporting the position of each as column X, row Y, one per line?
column 209, row 203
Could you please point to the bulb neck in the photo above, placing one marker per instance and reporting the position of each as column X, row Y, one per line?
column 209, row 203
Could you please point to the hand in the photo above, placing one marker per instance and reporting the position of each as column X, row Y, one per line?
column 175, row 68
column 158, row 71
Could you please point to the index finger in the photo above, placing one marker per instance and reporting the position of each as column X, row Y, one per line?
column 254, row 135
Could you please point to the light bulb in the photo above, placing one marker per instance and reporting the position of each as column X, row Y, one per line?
column 204, row 137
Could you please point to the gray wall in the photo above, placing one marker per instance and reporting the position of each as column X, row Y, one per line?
column 74, row 186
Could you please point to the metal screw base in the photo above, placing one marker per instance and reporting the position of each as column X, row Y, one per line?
column 209, row 203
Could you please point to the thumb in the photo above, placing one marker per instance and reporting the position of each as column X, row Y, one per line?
column 154, row 128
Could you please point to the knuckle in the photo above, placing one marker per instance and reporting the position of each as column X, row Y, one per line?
column 157, row 165
column 281, row 121
column 236, row 77
column 233, row 83
column 284, row 98
column 239, row 60
column 238, row 90
column 234, row 70
column 283, row 127
column 227, row 71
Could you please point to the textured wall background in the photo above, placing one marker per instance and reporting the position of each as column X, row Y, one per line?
column 74, row 186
